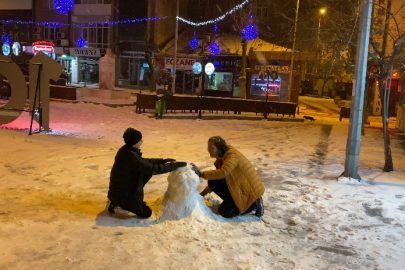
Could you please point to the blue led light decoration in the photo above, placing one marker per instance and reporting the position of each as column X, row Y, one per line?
column 214, row 48
column 81, row 43
column 63, row 6
column 5, row 39
column 194, row 43
column 250, row 32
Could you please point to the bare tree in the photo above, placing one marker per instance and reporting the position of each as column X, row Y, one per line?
column 386, row 40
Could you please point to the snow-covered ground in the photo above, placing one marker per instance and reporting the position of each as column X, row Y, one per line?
column 53, row 191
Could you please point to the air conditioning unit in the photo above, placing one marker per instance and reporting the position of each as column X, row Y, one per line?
column 36, row 36
column 60, row 35
column 37, row 29
column 62, row 42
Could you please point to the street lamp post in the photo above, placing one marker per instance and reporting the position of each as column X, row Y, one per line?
column 322, row 11
column 175, row 48
column 293, row 52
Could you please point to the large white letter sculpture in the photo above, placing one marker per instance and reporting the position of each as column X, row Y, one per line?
column 18, row 93
column 50, row 69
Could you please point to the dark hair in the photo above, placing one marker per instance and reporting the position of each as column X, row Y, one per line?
column 220, row 144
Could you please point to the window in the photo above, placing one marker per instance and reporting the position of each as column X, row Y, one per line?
column 48, row 4
column 96, row 36
column 262, row 8
column 200, row 3
column 50, row 32
column 92, row 1
column 261, row 84
column 221, row 81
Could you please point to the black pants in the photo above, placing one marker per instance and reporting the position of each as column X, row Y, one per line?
column 131, row 200
column 227, row 208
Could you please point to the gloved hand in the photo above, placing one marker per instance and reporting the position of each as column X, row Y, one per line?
column 168, row 160
column 180, row 164
column 196, row 169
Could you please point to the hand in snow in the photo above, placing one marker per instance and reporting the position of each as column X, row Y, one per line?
column 169, row 160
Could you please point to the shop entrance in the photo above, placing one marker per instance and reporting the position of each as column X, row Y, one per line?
column 89, row 70
column 134, row 71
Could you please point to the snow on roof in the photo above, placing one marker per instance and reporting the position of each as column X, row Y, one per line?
column 229, row 44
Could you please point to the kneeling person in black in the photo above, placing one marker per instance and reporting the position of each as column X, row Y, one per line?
column 131, row 172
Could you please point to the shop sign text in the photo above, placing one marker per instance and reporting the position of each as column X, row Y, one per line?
column 85, row 52
column 42, row 48
column 181, row 63
column 279, row 69
column 132, row 54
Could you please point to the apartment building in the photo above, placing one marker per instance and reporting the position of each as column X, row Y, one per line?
column 16, row 37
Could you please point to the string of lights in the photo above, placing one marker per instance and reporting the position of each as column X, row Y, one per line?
column 81, row 43
column 214, row 20
column 82, row 24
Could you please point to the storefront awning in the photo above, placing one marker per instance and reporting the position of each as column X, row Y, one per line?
column 265, row 57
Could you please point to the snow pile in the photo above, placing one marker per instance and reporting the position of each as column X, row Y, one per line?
column 181, row 197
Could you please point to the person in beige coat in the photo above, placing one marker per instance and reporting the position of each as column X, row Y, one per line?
column 235, row 180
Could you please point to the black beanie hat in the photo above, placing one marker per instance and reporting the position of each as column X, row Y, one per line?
column 132, row 136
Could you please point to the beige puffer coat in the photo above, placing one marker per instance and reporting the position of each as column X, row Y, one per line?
column 241, row 178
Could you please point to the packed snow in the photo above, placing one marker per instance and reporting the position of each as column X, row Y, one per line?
column 53, row 189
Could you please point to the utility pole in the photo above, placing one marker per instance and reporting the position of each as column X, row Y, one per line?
column 293, row 52
column 175, row 48
column 356, row 113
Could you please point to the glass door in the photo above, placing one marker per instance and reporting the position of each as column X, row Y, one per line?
column 134, row 72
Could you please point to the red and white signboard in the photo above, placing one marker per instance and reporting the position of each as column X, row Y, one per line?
column 42, row 48
column 182, row 63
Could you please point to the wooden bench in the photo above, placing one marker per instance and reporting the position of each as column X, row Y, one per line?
column 183, row 103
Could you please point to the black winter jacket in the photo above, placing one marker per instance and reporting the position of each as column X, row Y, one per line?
column 130, row 173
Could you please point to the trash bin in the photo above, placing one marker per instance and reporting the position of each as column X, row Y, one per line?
column 160, row 107
column 344, row 113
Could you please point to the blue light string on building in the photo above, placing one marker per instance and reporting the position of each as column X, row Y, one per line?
column 63, row 6
column 82, row 24
column 214, row 20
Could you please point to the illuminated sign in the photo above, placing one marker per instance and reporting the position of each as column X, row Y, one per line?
column 197, row 68
column 42, row 48
column 6, row 49
column 43, row 42
column 209, row 68
column 16, row 48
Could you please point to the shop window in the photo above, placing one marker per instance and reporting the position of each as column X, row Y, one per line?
column 48, row 4
column 261, row 83
column 221, row 81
